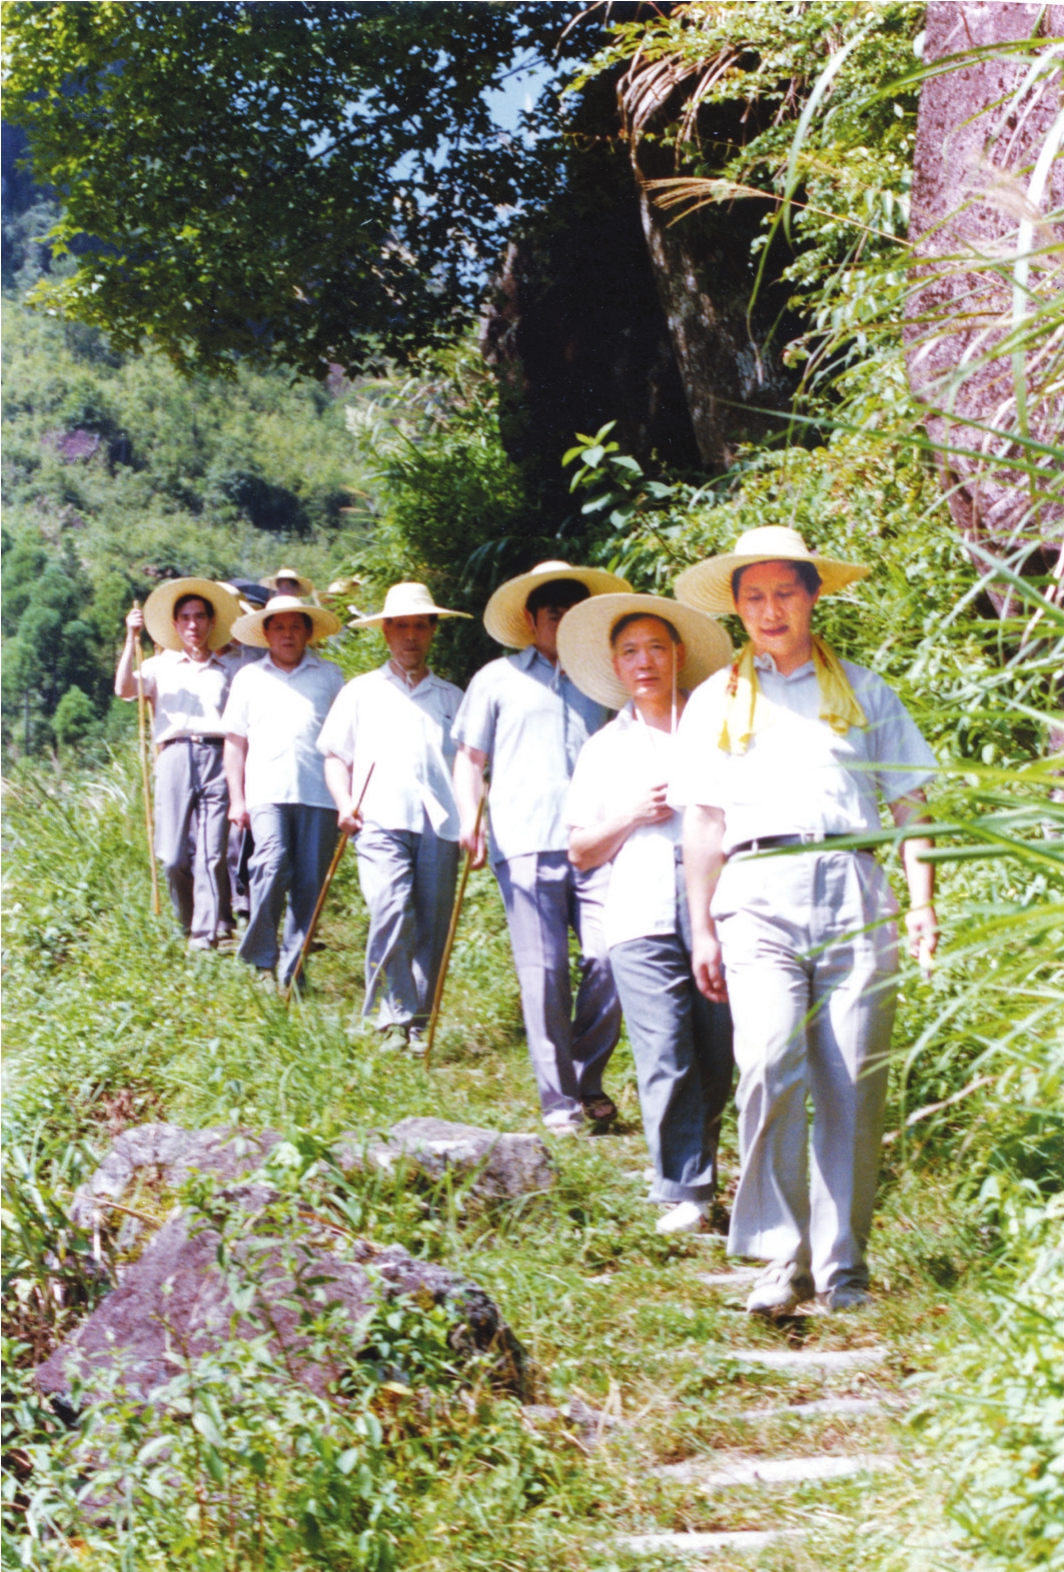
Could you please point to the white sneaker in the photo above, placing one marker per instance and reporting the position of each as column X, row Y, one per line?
column 564, row 1123
column 686, row 1217
column 780, row 1290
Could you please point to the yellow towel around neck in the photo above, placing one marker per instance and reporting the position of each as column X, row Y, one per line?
column 745, row 705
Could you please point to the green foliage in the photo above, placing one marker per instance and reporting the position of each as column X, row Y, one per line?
column 314, row 184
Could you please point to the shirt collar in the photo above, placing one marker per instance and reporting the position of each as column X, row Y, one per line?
column 429, row 681
column 528, row 657
column 182, row 654
column 767, row 663
column 308, row 659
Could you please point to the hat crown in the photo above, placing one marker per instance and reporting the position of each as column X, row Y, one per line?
column 775, row 539
column 279, row 603
column 552, row 567
column 409, row 600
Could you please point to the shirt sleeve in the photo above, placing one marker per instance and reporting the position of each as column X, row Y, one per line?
column 235, row 715
column 474, row 725
column 897, row 745
column 338, row 734
column 148, row 674
column 695, row 780
column 583, row 804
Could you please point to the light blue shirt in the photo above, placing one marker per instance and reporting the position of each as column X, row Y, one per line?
column 798, row 776
column 532, row 722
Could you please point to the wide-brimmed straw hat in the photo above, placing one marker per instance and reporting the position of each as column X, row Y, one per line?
column 159, row 611
column 504, row 615
column 252, row 628
column 405, row 600
column 707, row 585
column 303, row 586
column 586, row 654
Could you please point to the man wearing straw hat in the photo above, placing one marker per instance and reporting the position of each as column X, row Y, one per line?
column 523, row 718
column 640, row 654
column 286, row 581
column 276, row 776
column 187, row 686
column 784, row 753
column 397, row 721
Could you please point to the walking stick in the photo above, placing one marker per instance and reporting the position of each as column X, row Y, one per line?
column 337, row 854
column 437, row 998
column 145, row 773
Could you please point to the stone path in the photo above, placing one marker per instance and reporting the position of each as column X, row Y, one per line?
column 721, row 1472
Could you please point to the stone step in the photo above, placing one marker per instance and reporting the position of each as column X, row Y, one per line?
column 696, row 1544
column 773, row 1470
column 806, row 1358
column 737, row 1277
column 825, row 1405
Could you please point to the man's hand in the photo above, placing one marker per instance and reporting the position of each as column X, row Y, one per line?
column 707, row 967
column 474, row 842
column 238, row 814
column 922, row 926
column 651, row 807
column 134, row 622
column 348, row 817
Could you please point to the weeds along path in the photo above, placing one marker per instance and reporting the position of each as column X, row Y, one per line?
column 666, row 1428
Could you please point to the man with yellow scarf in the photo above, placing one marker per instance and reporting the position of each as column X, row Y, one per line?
column 783, row 753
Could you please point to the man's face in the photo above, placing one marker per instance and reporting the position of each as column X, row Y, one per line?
column 643, row 658
column 408, row 640
column 287, row 635
column 776, row 609
column 544, row 625
column 194, row 625
column 288, row 587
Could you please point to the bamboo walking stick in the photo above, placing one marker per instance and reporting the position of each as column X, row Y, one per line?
column 337, row 854
column 437, row 998
column 145, row 773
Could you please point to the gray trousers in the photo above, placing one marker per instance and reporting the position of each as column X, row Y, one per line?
column 294, row 844
column 191, row 832
column 810, row 955
column 407, row 880
column 544, row 897
column 682, row 1045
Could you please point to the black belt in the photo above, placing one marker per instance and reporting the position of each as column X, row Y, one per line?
column 770, row 842
column 210, row 742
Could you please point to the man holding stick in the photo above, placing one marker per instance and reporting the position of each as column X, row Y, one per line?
column 276, row 776
column 525, row 720
column 398, row 719
column 788, row 750
column 187, row 686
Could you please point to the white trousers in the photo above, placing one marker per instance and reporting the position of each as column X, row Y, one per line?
column 810, row 956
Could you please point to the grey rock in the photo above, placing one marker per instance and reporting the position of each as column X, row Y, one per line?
column 175, row 1302
column 505, row 1165
column 166, row 1154
column 809, row 1358
column 772, row 1470
column 696, row 1544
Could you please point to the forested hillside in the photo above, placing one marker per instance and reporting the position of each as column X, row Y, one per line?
column 795, row 349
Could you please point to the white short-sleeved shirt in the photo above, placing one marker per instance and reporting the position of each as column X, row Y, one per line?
column 405, row 733
column 281, row 713
column 617, row 765
column 798, row 776
column 188, row 696
column 531, row 721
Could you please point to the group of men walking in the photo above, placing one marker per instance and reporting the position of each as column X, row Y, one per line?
column 699, row 845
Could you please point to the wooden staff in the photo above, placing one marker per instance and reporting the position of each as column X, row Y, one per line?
column 145, row 773
column 337, row 854
column 437, row 998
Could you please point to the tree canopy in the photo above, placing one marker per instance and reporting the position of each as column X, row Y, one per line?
column 311, row 183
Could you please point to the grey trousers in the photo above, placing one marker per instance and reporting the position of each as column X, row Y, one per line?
column 294, row 844
column 191, row 832
column 682, row 1045
column 810, row 955
column 544, row 897
column 407, row 880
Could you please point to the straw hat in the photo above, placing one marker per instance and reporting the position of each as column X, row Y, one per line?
column 159, row 611
column 405, row 600
column 303, row 586
column 252, row 628
column 707, row 585
column 504, row 615
column 586, row 656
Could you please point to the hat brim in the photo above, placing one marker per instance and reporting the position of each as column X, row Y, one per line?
column 504, row 615
column 586, row 656
column 159, row 611
column 707, row 586
column 377, row 617
column 252, row 628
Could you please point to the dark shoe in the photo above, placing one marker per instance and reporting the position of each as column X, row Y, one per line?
column 845, row 1296
column 600, row 1109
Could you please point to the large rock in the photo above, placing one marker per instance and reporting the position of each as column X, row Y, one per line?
column 165, row 1155
column 503, row 1164
column 176, row 1302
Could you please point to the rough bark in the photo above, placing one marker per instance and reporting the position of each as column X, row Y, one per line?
column 980, row 131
